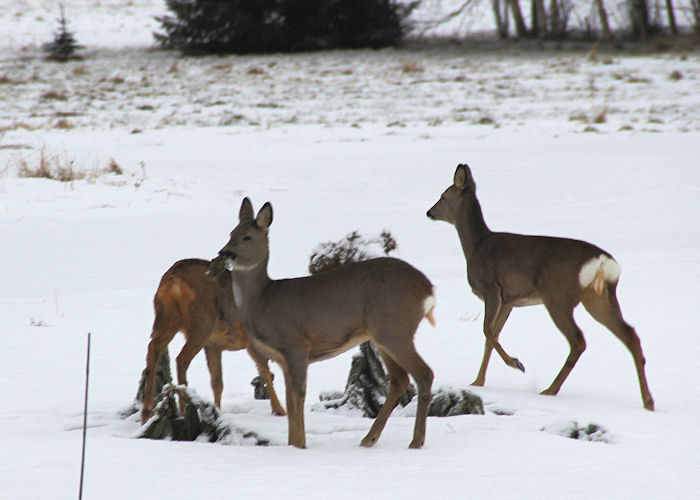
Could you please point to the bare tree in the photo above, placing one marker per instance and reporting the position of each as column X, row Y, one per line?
column 639, row 17
column 500, row 15
column 603, row 15
column 671, row 17
column 520, row 28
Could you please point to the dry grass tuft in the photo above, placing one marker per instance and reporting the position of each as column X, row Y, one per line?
column 60, row 168
column 411, row 67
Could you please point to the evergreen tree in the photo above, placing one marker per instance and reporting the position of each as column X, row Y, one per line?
column 64, row 44
column 244, row 26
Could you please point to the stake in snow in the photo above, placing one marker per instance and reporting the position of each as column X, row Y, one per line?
column 298, row 321
column 204, row 311
column 511, row 270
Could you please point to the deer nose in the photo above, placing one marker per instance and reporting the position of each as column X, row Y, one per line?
column 430, row 216
column 226, row 253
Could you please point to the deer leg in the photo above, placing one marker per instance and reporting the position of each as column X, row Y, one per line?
column 606, row 310
column 160, row 338
column 406, row 357
column 563, row 317
column 182, row 362
column 264, row 371
column 398, row 382
column 295, row 368
column 213, row 355
column 493, row 316
column 498, row 323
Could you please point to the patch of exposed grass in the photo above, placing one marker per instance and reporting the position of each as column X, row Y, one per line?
column 60, row 168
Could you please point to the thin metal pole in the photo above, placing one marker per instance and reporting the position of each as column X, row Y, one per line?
column 87, row 378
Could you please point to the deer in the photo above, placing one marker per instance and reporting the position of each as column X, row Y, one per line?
column 298, row 321
column 204, row 310
column 508, row 270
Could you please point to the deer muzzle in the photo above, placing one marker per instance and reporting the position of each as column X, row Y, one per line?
column 220, row 263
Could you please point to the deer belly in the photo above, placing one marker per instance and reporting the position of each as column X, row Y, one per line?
column 231, row 339
column 329, row 347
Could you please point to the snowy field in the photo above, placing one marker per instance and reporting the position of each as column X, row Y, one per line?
column 604, row 148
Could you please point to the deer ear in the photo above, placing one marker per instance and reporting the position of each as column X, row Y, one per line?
column 264, row 218
column 463, row 177
column 246, row 211
column 460, row 176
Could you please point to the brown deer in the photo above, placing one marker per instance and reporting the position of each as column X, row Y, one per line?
column 203, row 309
column 511, row 270
column 298, row 321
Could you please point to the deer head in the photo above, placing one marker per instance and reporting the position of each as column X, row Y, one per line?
column 449, row 203
column 248, row 245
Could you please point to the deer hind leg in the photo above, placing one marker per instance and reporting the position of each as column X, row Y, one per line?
column 295, row 367
column 398, row 382
column 163, row 332
column 194, row 343
column 495, row 314
column 405, row 357
column 264, row 371
column 498, row 323
column 213, row 355
column 563, row 317
column 606, row 310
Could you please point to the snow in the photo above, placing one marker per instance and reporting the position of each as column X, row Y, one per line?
column 335, row 151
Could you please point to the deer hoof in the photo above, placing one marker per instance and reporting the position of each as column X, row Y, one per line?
column 518, row 365
column 649, row 405
column 415, row 445
column 368, row 442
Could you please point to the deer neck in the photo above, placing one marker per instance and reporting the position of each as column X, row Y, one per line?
column 470, row 224
column 249, row 284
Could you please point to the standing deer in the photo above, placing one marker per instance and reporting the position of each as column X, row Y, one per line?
column 298, row 321
column 512, row 270
column 202, row 309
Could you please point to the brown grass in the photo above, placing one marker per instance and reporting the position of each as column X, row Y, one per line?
column 55, row 167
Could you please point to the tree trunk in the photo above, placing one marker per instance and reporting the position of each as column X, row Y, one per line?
column 520, row 29
column 671, row 17
column 556, row 27
column 501, row 20
column 603, row 15
column 539, row 19
column 639, row 11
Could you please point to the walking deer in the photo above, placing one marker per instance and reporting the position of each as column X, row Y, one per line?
column 299, row 321
column 204, row 310
column 511, row 270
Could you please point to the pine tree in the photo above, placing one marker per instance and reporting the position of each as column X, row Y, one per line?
column 64, row 44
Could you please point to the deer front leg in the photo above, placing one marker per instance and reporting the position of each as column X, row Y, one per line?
column 495, row 314
column 264, row 371
column 295, row 381
column 499, row 321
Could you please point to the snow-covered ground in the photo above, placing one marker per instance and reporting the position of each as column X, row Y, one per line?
column 337, row 142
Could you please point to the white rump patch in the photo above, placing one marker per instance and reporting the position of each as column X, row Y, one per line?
column 601, row 268
column 428, row 308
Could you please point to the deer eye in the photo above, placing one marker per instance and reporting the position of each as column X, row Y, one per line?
column 246, row 238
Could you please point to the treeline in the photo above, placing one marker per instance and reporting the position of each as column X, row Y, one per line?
column 245, row 26
column 595, row 19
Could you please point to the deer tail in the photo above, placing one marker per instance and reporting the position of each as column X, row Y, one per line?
column 597, row 272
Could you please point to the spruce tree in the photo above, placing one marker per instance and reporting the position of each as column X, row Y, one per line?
column 64, row 44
